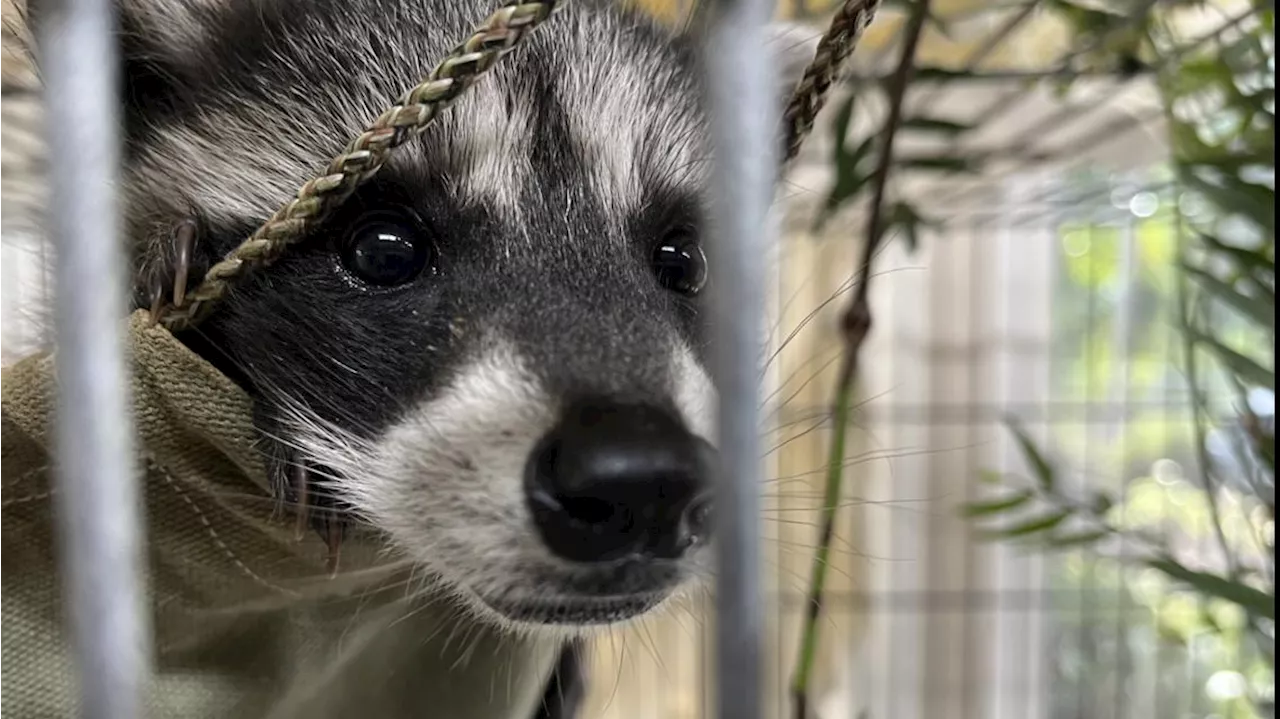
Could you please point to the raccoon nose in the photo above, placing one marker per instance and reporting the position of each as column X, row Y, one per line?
column 613, row 481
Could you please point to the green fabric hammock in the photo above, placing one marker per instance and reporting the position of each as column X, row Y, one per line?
column 247, row 621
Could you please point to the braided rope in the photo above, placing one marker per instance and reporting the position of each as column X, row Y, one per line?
column 834, row 49
column 422, row 104
column 366, row 154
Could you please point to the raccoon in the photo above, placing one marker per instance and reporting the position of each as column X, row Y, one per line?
column 492, row 355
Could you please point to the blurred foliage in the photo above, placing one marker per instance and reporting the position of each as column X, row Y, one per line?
column 1186, row 542
column 1165, row 300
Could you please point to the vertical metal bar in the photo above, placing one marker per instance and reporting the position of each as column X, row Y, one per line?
column 741, row 90
column 97, row 498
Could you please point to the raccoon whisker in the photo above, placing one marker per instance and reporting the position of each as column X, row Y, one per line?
column 453, row 633
column 294, row 413
column 796, row 581
column 795, row 548
column 786, row 306
column 646, row 638
column 354, row 382
column 840, row 291
column 804, row 322
column 823, row 415
column 849, row 284
column 854, row 461
column 877, row 455
column 894, row 506
column 797, row 40
column 864, row 500
column 813, row 427
column 839, row 542
column 423, row 606
column 679, row 608
column 316, row 491
column 835, row 356
column 250, row 499
column 349, row 377
column 799, row 419
column 299, row 448
column 280, row 441
column 344, row 381
column 820, row 419
column 798, row 189
column 793, row 578
column 621, row 653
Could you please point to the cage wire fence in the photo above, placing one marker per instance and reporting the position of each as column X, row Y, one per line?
column 1037, row 295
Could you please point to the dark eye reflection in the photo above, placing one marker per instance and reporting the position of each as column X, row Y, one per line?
column 386, row 249
column 679, row 263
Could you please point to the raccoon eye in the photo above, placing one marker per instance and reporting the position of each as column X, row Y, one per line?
column 386, row 250
column 679, row 264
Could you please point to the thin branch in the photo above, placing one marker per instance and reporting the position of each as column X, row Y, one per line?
column 856, row 326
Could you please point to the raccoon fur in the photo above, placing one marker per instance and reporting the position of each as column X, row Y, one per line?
column 492, row 355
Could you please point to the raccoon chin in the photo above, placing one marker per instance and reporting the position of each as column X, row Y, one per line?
column 582, row 598
column 576, row 612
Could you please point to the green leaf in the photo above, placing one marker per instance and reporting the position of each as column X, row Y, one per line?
column 1203, row 73
column 1086, row 20
column 850, row 164
column 940, row 73
column 1234, row 196
column 1102, row 504
column 1190, row 150
column 1252, row 600
column 1258, row 309
column 942, row 26
column 998, row 506
column 840, row 126
column 1036, row 525
column 1206, row 616
column 940, row 163
column 1044, row 471
column 1265, row 448
column 931, row 124
column 1073, row 540
column 991, row 477
column 1249, row 371
column 1241, row 55
column 904, row 216
column 1261, row 103
column 850, row 178
column 1245, row 259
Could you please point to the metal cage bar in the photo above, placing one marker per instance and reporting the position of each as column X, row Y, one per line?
column 739, row 85
column 97, row 501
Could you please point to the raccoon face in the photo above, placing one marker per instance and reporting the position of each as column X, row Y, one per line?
column 492, row 353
